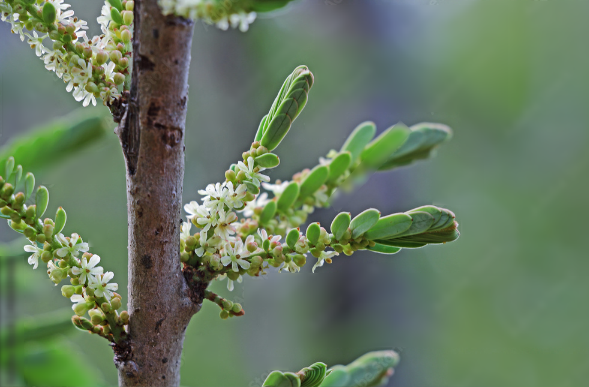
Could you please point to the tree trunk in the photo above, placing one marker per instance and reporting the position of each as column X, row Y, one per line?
column 151, row 133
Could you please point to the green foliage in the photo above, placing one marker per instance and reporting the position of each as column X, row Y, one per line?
column 364, row 222
column 340, row 224
column 377, row 152
column 370, row 370
column 358, row 139
column 48, row 145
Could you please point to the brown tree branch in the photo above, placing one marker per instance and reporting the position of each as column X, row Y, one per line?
column 151, row 132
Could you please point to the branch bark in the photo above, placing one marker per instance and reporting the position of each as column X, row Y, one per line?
column 151, row 132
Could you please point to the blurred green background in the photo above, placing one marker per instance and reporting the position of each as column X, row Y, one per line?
column 505, row 305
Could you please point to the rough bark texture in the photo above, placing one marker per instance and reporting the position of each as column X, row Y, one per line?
column 151, row 132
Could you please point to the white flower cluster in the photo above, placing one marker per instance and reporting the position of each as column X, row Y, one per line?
column 81, row 62
column 211, row 12
column 86, row 270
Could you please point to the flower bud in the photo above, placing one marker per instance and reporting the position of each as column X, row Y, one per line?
column 6, row 191
column 230, row 175
column 261, row 150
column 257, row 261
column 236, row 308
column 300, row 260
column 101, row 57
column 115, row 303
column 184, row 256
column 125, row 317
column 82, row 307
column 46, row 256
column 68, row 291
column 130, row 5
column 96, row 316
column 227, row 305
column 41, row 238
column 127, row 17
column 91, row 87
column 90, row 291
column 119, row 78
column 126, row 36
column 224, row 315
column 31, row 233
column 115, row 56
column 252, row 246
column 105, row 306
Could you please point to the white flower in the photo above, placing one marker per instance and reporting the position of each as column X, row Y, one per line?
column 254, row 177
column 225, row 226
column 88, row 269
column 201, row 214
column 36, row 42
column 243, row 20
column 109, row 72
column 71, row 246
column 34, row 258
column 234, row 198
column 291, row 267
column 264, row 235
column 234, row 256
column 277, row 189
column 207, row 245
column 185, row 230
column 101, row 286
column 216, row 195
column 324, row 255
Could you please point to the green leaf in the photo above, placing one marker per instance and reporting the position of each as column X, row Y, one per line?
column 314, row 181
column 432, row 210
column 268, row 5
column 268, row 160
column 9, row 167
column 261, row 128
column 292, row 238
column 18, row 175
column 422, row 221
column 339, row 165
column 359, row 138
column 40, row 327
column 286, row 107
column 60, row 219
column 117, row 4
column 49, row 13
column 401, row 243
column 340, row 224
column 45, row 146
column 268, row 212
column 370, row 370
column 313, row 375
column 41, row 201
column 313, row 233
column 116, row 16
column 29, row 185
column 280, row 379
column 384, row 249
column 288, row 196
column 380, row 149
column 364, row 221
column 389, row 226
column 423, row 139
column 252, row 188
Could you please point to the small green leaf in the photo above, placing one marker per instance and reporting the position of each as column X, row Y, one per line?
column 41, row 201
column 268, row 160
column 389, row 226
column 279, row 379
column 384, row 249
column 432, row 210
column 116, row 16
column 252, row 188
column 29, row 185
column 286, row 107
column 313, row 233
column 339, row 165
column 380, row 149
column 313, row 375
column 314, row 181
column 117, row 4
column 446, row 219
column 288, row 196
column 292, row 238
column 422, row 221
column 370, row 370
column 364, row 221
column 338, row 377
column 359, row 138
column 261, row 128
column 268, row 212
column 340, row 224
column 18, row 175
column 400, row 243
column 9, row 167
column 49, row 13
column 60, row 219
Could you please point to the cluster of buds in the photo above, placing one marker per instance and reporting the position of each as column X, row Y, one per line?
column 90, row 288
column 223, row 14
column 96, row 68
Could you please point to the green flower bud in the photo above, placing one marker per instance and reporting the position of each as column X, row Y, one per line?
column 230, row 175
column 236, row 308
column 115, row 56
column 7, row 211
column 31, row 233
column 119, row 78
column 184, row 256
column 68, row 291
column 115, row 303
column 41, row 238
column 224, row 315
column 124, row 317
column 81, row 308
column 130, row 5
column 105, row 306
column 90, row 291
column 227, row 305
column 96, row 316
column 233, row 276
column 91, row 87
column 126, row 35
column 48, row 231
column 101, row 57
column 299, row 260
column 127, row 17
column 257, row 261
column 6, row 191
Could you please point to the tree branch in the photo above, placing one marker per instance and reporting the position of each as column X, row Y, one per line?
column 151, row 132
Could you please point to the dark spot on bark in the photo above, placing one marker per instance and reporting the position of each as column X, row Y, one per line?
column 165, row 360
column 183, row 101
column 146, row 261
column 158, row 324
column 163, row 376
column 145, row 64
column 176, row 61
column 170, row 136
column 159, row 230
column 139, row 214
column 156, row 33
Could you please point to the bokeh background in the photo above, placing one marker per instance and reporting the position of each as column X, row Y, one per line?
column 505, row 305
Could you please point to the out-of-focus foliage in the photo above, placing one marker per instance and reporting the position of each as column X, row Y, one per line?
column 503, row 306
